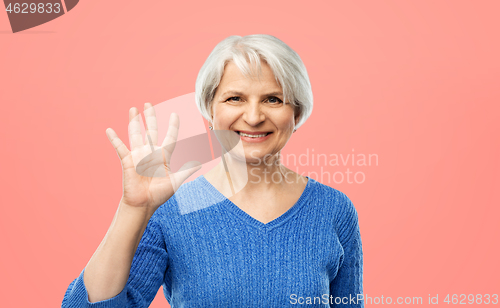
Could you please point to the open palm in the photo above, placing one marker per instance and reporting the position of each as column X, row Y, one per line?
column 147, row 179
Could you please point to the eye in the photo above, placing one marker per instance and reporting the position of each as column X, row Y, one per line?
column 233, row 99
column 274, row 100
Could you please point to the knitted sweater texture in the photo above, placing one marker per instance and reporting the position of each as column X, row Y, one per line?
column 207, row 252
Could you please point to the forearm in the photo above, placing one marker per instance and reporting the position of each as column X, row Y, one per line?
column 107, row 272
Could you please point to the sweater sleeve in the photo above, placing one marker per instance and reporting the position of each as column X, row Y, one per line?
column 347, row 286
column 146, row 276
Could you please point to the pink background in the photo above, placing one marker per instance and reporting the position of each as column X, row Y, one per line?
column 415, row 82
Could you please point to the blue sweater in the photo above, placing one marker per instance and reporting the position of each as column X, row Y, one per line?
column 207, row 252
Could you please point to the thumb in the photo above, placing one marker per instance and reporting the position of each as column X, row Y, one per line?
column 184, row 172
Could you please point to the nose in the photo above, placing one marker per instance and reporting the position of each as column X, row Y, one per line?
column 253, row 114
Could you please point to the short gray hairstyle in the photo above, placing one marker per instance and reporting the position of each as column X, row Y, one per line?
column 288, row 69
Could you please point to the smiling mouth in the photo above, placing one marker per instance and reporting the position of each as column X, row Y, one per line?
column 253, row 135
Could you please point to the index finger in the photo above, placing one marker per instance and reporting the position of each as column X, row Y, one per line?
column 134, row 129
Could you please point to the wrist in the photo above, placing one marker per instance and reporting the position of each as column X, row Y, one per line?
column 133, row 214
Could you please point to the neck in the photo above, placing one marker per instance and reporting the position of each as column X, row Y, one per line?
column 236, row 176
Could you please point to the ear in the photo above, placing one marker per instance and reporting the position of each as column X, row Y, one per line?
column 298, row 112
column 211, row 111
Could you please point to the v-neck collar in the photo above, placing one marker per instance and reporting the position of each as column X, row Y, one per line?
column 252, row 221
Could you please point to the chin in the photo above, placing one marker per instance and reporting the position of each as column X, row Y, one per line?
column 258, row 157
column 248, row 156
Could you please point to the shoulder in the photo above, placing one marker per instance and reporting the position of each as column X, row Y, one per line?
column 338, row 206
column 336, row 201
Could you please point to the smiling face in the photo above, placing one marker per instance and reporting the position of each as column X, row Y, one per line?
column 253, row 108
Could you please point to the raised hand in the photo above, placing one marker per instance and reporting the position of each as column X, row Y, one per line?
column 147, row 179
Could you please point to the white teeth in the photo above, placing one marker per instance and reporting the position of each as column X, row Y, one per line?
column 252, row 136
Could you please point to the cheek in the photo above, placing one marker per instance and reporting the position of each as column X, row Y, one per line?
column 286, row 123
column 224, row 116
column 284, row 118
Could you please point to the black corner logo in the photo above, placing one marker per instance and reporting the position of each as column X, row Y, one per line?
column 29, row 14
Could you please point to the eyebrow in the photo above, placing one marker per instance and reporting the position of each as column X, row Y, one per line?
column 276, row 93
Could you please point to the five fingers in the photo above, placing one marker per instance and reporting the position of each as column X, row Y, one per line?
column 136, row 139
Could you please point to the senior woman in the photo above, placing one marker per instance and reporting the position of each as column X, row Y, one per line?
column 248, row 233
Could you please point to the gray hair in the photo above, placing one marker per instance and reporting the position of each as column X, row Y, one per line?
column 288, row 69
